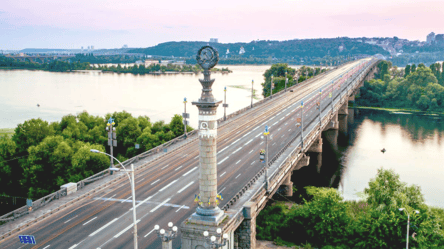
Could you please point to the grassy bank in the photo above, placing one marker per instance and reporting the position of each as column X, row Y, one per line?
column 397, row 110
column 6, row 131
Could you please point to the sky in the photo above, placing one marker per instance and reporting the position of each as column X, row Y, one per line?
column 144, row 23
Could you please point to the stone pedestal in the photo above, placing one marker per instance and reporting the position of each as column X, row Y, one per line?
column 316, row 146
column 245, row 234
column 167, row 244
column 333, row 124
column 303, row 162
column 344, row 109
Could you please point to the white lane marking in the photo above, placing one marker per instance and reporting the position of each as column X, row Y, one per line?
column 287, row 114
column 155, row 181
column 222, row 160
column 246, row 134
column 171, row 183
column 255, row 128
column 149, row 233
column 285, row 123
column 238, row 132
column 109, row 198
column 279, row 129
column 165, row 166
column 238, row 161
column 252, row 163
column 161, row 204
column 105, row 226
column 90, row 220
column 258, row 135
column 235, row 141
column 178, row 168
column 182, row 189
column 222, row 190
column 273, row 144
column 180, row 208
column 275, row 122
column 69, row 219
column 289, row 130
column 193, row 169
column 72, row 247
column 222, row 150
column 140, row 180
column 283, row 135
column 248, row 142
column 293, row 110
column 46, row 246
column 237, row 176
column 247, row 126
column 126, row 229
column 140, row 203
column 126, row 199
column 261, row 143
column 282, row 118
column 185, row 155
column 237, row 150
column 223, row 174
column 250, row 152
column 196, row 157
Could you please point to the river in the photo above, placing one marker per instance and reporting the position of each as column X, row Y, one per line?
column 414, row 143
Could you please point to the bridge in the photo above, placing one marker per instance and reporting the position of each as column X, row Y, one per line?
column 99, row 213
column 39, row 58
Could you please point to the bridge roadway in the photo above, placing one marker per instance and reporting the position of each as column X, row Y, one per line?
column 165, row 190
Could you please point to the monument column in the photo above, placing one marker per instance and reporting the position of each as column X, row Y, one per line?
column 207, row 210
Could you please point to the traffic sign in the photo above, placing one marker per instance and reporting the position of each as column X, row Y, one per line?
column 266, row 130
column 27, row 239
column 29, row 202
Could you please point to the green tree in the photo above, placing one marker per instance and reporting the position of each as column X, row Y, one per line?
column 84, row 163
column 407, row 71
column 31, row 133
column 7, row 152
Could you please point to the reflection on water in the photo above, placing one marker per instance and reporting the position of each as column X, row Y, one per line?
column 414, row 150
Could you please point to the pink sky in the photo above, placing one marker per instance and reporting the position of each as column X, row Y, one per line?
column 110, row 24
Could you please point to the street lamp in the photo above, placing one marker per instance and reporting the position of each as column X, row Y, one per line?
column 185, row 115
column 217, row 241
column 225, row 105
column 408, row 224
column 132, row 189
column 286, row 80
column 271, row 87
column 252, row 82
column 166, row 236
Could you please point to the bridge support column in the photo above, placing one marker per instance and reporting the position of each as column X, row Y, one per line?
column 351, row 98
column 333, row 125
column 342, row 118
column 316, row 150
column 304, row 161
column 286, row 188
column 246, row 232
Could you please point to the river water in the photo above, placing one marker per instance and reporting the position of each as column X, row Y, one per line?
column 414, row 143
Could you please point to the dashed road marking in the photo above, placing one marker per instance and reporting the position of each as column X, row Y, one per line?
column 103, row 227
column 161, row 204
column 193, row 169
column 182, row 189
column 155, row 181
column 178, row 168
column 223, row 174
column 223, row 160
column 237, row 176
column 90, row 220
column 237, row 150
column 171, row 183
column 238, row 161
column 149, row 233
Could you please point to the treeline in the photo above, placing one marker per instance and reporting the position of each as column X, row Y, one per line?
column 299, row 49
column 154, row 68
column 281, row 71
column 325, row 220
column 55, row 66
column 417, row 58
column 40, row 157
column 414, row 87
column 105, row 59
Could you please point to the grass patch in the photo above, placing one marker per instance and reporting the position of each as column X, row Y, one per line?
column 397, row 110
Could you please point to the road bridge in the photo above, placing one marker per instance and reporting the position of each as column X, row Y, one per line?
column 99, row 215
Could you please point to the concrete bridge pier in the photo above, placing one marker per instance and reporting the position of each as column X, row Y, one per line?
column 316, row 150
column 245, row 234
column 342, row 118
column 331, row 137
column 286, row 188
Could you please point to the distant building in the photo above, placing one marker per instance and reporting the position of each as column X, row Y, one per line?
column 92, row 47
column 82, row 47
column 214, row 40
column 125, row 46
column 431, row 38
column 151, row 62
column 242, row 50
column 341, row 48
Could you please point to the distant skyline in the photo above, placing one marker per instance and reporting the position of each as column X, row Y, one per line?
column 140, row 23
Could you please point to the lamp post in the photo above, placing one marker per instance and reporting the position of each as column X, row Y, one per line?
column 271, row 87
column 166, row 236
column 302, row 124
column 185, row 115
column 266, row 133
column 131, row 179
column 320, row 109
column 286, row 80
column 408, row 225
column 217, row 241
column 225, row 105
column 112, row 141
column 252, row 92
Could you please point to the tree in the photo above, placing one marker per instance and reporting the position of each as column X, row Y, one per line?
column 31, row 133
column 176, row 125
column 7, row 152
column 84, row 163
column 407, row 71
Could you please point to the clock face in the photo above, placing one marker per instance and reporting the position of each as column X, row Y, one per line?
column 207, row 57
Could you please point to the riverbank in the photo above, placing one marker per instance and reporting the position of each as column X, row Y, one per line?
column 398, row 110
